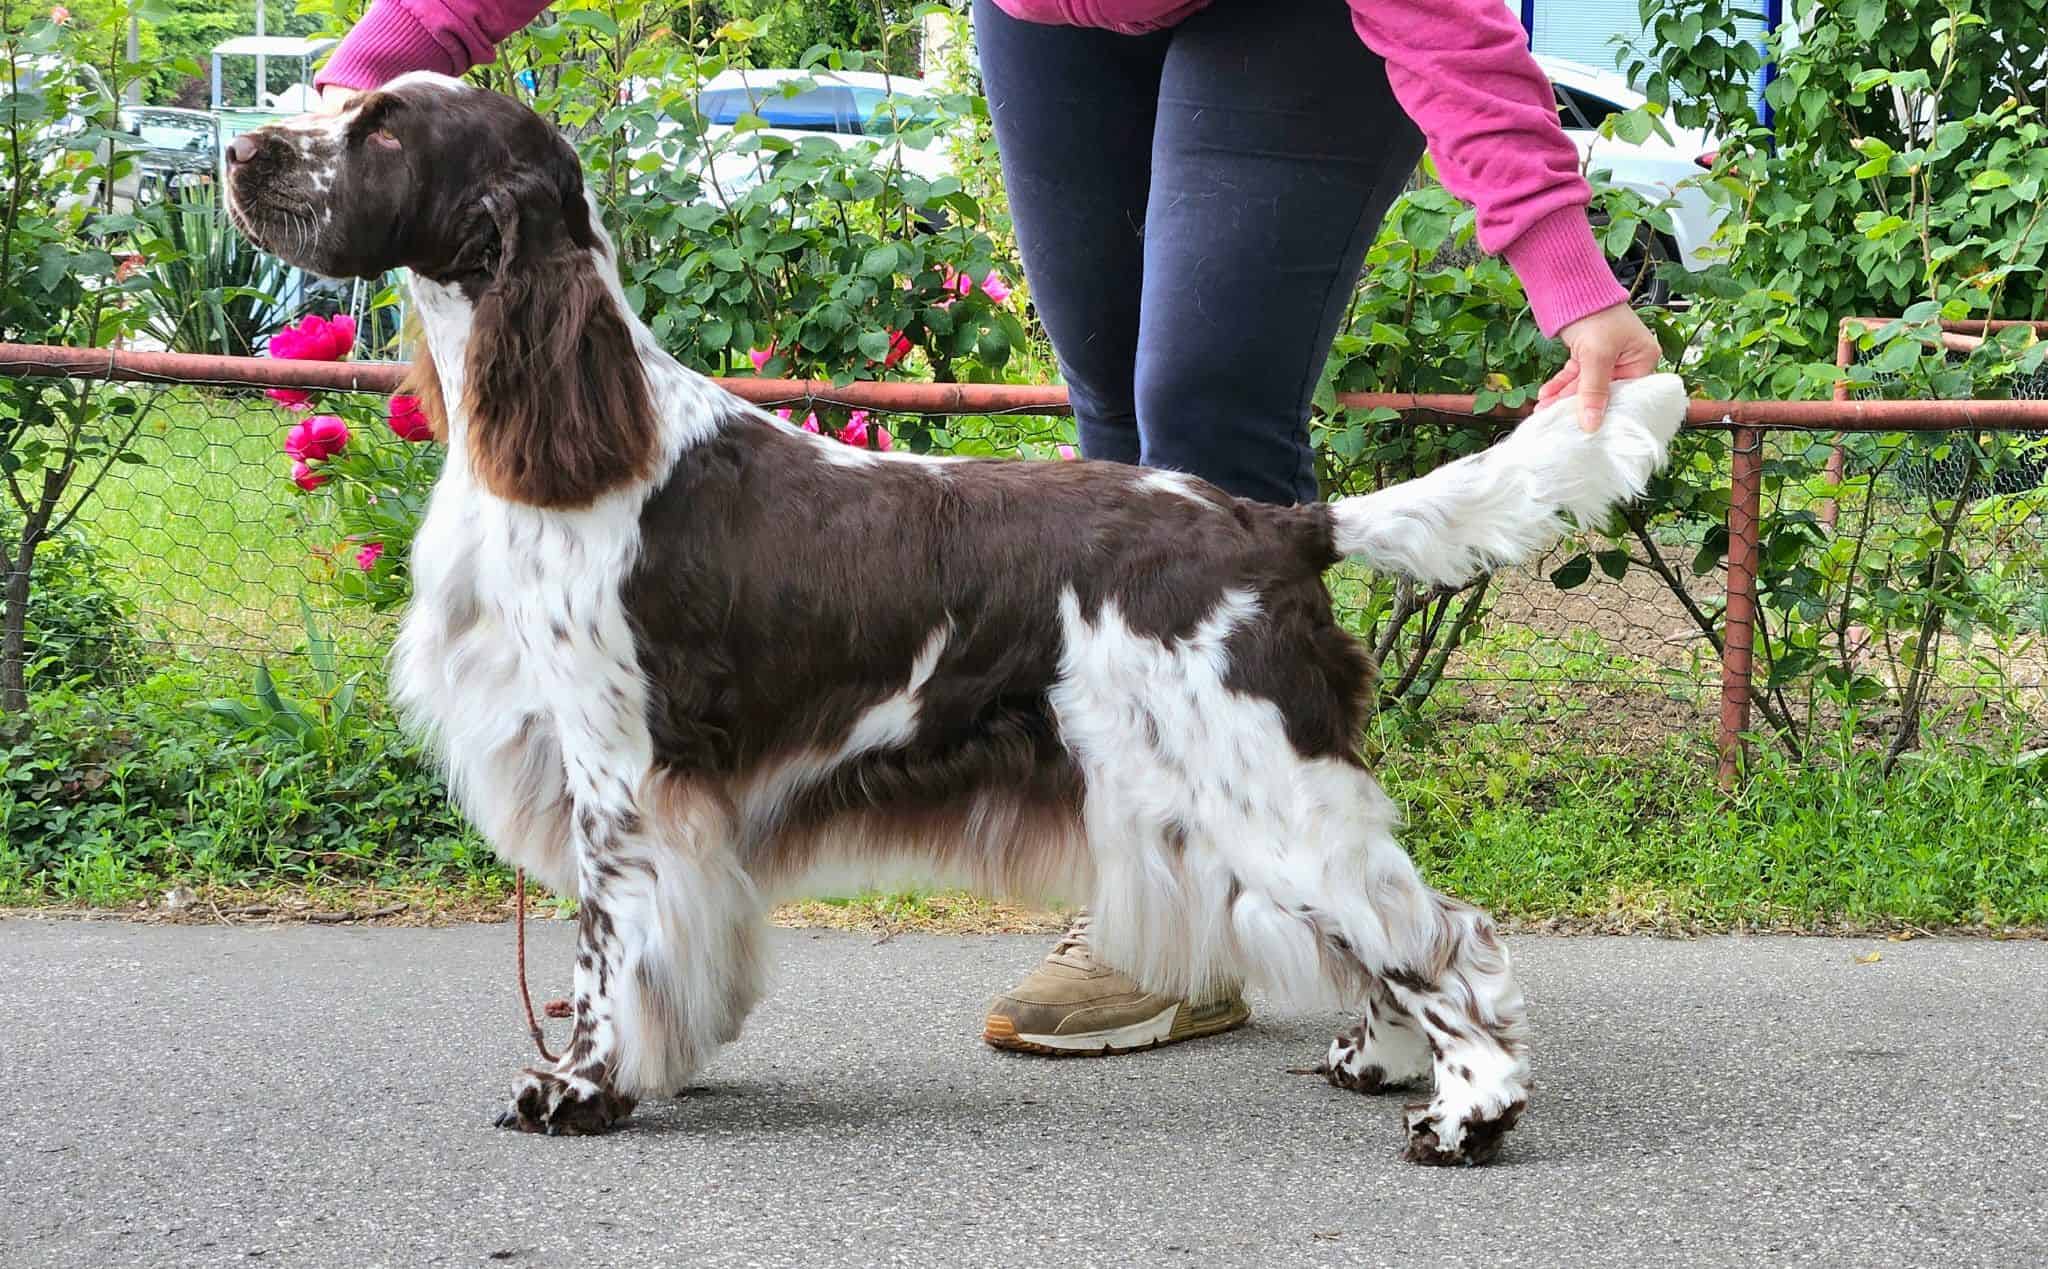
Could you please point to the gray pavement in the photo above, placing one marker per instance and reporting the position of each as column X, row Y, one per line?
column 296, row 1096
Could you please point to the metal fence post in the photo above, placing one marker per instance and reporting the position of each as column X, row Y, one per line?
column 1838, row 456
column 1738, row 639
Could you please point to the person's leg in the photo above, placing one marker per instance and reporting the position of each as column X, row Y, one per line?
column 1073, row 117
column 1277, row 150
column 1073, row 110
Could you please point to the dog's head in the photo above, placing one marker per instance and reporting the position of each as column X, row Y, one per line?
column 428, row 174
column 478, row 194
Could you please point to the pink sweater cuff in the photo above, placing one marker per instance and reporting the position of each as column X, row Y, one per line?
column 390, row 41
column 1563, row 270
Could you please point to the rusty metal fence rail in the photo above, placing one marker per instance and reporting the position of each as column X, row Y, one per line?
column 1753, row 427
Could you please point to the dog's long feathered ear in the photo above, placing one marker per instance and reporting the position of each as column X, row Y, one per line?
column 558, row 403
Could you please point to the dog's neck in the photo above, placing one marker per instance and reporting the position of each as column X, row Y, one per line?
column 688, row 404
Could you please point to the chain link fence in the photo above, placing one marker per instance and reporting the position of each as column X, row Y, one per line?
column 199, row 560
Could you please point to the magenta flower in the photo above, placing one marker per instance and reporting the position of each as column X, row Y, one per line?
column 315, row 338
column 366, row 559
column 322, row 436
column 408, row 421
column 992, row 286
column 305, row 477
column 810, row 423
column 899, row 348
column 1067, row 453
column 859, row 434
column 760, row 357
column 296, row 400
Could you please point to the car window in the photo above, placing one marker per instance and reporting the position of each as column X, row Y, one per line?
column 822, row 109
column 882, row 113
column 164, row 134
column 1580, row 109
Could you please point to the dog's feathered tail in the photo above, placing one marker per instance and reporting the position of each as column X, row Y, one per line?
column 1502, row 505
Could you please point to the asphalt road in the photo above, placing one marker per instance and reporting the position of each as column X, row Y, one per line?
column 296, row 1096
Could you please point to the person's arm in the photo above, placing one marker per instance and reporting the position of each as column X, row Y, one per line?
column 397, row 36
column 1462, row 71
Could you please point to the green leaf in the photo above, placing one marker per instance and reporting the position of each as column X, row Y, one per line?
column 1711, row 551
column 1573, row 572
column 594, row 19
column 1993, row 179
column 879, row 262
column 873, row 344
column 1614, row 562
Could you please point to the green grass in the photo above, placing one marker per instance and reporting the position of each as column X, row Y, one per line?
column 1955, row 837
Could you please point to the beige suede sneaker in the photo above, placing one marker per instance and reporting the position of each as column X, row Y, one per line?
column 1070, row 1006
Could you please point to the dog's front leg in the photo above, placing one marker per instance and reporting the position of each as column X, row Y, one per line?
column 668, row 956
column 580, row 1094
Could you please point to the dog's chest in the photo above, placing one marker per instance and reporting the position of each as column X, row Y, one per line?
column 517, row 614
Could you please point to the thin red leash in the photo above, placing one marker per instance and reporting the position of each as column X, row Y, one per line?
column 554, row 1008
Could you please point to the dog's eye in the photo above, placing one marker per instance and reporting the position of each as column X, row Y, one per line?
column 383, row 139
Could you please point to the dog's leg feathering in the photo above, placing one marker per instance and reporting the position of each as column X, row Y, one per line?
column 1506, row 503
column 667, row 962
column 1382, row 1053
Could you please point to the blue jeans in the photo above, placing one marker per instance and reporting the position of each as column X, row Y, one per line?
column 1193, row 207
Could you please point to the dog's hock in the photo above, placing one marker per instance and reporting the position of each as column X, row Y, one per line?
column 1505, row 504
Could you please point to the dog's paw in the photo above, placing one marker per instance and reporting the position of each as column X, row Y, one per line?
column 1441, row 1137
column 560, row 1105
column 1379, row 1060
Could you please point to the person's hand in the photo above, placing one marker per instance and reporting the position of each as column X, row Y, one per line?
column 1608, row 345
column 334, row 99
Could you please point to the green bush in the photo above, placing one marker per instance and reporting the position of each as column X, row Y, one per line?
column 79, row 632
column 113, row 794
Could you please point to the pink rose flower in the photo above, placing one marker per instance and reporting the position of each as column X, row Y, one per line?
column 810, row 423
column 305, row 477
column 366, row 559
column 408, row 421
column 760, row 356
column 859, row 434
column 60, row 15
column 322, row 436
column 992, row 286
column 1067, row 453
column 315, row 338
column 296, row 400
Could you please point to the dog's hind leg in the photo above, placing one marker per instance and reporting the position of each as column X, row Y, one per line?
column 1343, row 906
column 1384, row 1052
column 667, row 959
column 1460, row 992
column 1440, row 966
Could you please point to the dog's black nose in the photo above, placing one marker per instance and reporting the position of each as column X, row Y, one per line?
column 242, row 149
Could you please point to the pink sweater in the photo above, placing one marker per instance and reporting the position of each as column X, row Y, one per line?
column 1460, row 68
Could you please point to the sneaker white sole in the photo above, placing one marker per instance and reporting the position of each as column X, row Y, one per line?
column 1166, row 1027
column 1137, row 1035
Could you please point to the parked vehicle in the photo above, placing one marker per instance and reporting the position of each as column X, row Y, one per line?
column 171, row 148
column 1654, row 167
column 847, row 108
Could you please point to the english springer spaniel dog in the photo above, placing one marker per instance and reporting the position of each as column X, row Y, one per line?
column 652, row 688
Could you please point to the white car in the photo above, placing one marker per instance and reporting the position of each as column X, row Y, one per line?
column 1655, row 168
column 847, row 108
